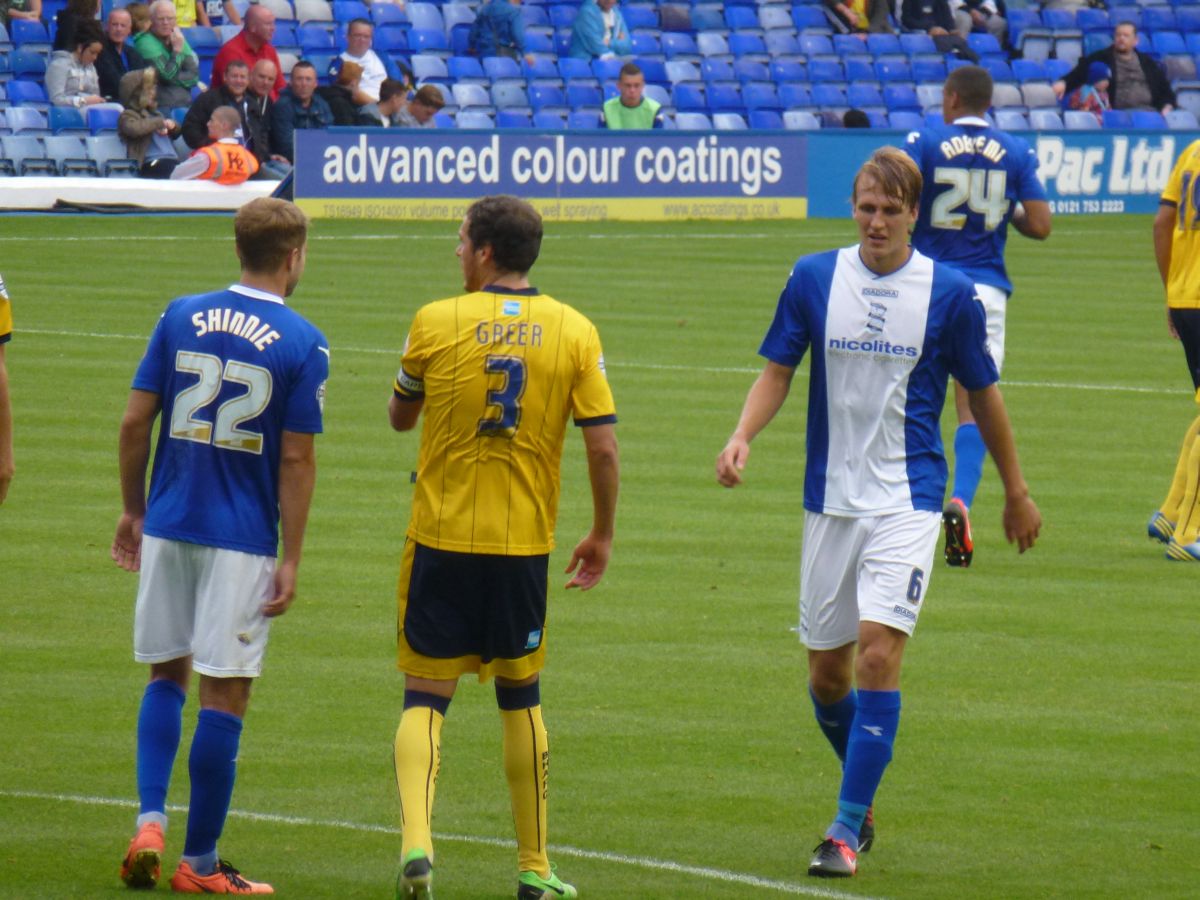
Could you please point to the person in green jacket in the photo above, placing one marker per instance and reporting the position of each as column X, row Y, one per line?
column 167, row 51
column 630, row 110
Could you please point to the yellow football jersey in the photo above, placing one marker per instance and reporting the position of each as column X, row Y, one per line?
column 500, row 372
column 6, row 323
column 1183, row 192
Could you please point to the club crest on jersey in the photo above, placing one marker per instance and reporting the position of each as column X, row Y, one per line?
column 876, row 318
column 512, row 307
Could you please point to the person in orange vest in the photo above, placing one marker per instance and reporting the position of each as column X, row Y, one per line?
column 225, row 161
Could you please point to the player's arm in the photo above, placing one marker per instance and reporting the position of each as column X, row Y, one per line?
column 763, row 401
column 1164, row 229
column 1032, row 219
column 404, row 413
column 592, row 553
column 297, row 475
column 1022, row 521
column 7, row 468
column 134, row 454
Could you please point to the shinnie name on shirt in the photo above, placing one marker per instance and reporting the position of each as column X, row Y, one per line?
column 261, row 334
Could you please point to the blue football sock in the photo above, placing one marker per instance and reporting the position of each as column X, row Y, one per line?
column 969, row 453
column 868, row 753
column 835, row 720
column 160, row 721
column 212, row 765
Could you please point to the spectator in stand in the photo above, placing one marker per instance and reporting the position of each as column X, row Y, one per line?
column 146, row 132
column 340, row 95
column 359, row 34
column 600, row 31
column 258, row 115
column 420, row 111
column 71, row 78
column 165, row 49
column 980, row 15
column 250, row 45
column 68, row 17
column 631, row 109
column 1093, row 96
column 232, row 92
column 118, row 55
column 139, row 13
column 859, row 17
column 6, row 448
column 855, row 118
column 299, row 106
column 393, row 97
column 1137, row 81
column 498, row 30
column 935, row 19
column 224, row 160
column 20, row 9
column 195, row 13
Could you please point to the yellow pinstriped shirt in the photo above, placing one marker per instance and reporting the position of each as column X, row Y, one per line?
column 500, row 373
column 1183, row 192
column 6, row 325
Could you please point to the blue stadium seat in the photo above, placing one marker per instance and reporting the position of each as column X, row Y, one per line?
column 1078, row 120
column 204, row 40
column 1059, row 19
column 1182, row 120
column 816, row 45
column 427, row 16
column 761, row 95
column 906, row 120
column 1091, row 19
column 775, row 17
column 808, row 18
column 729, row 122
column 27, row 93
column 585, row 119
column 580, row 96
column 477, row 119
column 27, row 153
column 109, row 153
column 880, row 44
column 549, row 120
column 677, row 45
column 27, row 121
column 800, row 120
column 750, row 70
column 864, row 96
column 1147, row 118
column 782, row 44
column 928, row 68
column 607, row 69
column 637, row 16
column 654, row 70
column 848, row 45
column 900, row 96
column 544, row 96
column 314, row 39
column 680, row 70
column 1166, row 42
column 929, row 96
column 784, row 70
column 429, row 40
column 999, row 69
column 29, row 34
column 536, row 17
column 573, row 69
column 69, row 156
column 748, row 46
column 1115, row 118
column 765, row 119
column 1046, row 120
column 1188, row 18
column 709, row 18
column 1011, row 120
column 692, row 121
column 510, row 95
column 689, row 97
column 389, row 14
column 543, row 69
column 712, row 43
column 537, row 43
column 345, row 10
column 893, row 69
column 502, row 68
column 562, row 15
column 513, row 118
column 67, row 120
column 1028, row 70
column 27, row 64
column 825, row 69
column 859, row 68
column 722, row 97
column 676, row 17
column 426, row 67
column 1125, row 14
column 469, row 96
column 1159, row 18
column 795, row 95
column 460, row 17
column 917, row 43
column 464, row 69
column 829, row 96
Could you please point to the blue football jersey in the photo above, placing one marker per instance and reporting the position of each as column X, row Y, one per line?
column 974, row 175
column 235, row 369
column 883, row 346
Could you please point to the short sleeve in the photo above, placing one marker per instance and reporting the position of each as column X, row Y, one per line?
column 306, row 400
column 788, row 337
column 591, row 397
column 965, row 344
column 1173, row 193
column 410, row 379
column 151, row 372
column 1029, row 186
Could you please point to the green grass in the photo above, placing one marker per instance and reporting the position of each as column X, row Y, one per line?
column 1051, row 729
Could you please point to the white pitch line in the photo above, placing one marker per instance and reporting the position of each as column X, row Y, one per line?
column 660, row 367
column 644, row 862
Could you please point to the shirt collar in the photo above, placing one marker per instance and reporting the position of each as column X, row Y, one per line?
column 256, row 294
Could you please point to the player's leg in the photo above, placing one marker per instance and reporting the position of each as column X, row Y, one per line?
column 418, row 756
column 1176, row 520
column 232, row 588
column 163, row 638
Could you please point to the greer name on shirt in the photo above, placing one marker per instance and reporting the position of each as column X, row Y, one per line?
column 514, row 334
column 231, row 321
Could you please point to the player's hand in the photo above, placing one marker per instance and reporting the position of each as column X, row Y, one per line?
column 126, row 549
column 1022, row 521
column 1171, row 325
column 731, row 461
column 285, row 590
column 591, row 556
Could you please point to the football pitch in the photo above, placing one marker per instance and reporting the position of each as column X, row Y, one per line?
column 1050, row 739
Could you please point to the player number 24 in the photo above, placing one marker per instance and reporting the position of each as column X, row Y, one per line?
column 224, row 430
column 981, row 189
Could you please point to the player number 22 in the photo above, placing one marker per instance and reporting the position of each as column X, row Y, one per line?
column 981, row 189
column 224, row 431
column 506, row 399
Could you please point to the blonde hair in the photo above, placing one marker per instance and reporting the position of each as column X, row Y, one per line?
column 266, row 230
column 896, row 175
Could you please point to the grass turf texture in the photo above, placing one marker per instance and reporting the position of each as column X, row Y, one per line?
column 1051, row 727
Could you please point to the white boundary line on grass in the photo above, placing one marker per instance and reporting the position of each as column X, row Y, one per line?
column 659, row 367
column 644, row 862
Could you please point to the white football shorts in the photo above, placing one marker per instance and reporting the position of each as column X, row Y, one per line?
column 995, row 302
column 872, row 569
column 203, row 601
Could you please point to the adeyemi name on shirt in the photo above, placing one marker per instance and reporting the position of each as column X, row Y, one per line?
column 232, row 321
column 980, row 144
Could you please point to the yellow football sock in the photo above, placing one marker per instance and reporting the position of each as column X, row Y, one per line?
column 1187, row 526
column 418, row 758
column 1172, row 507
column 526, row 763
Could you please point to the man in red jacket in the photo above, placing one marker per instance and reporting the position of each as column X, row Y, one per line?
column 252, row 43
